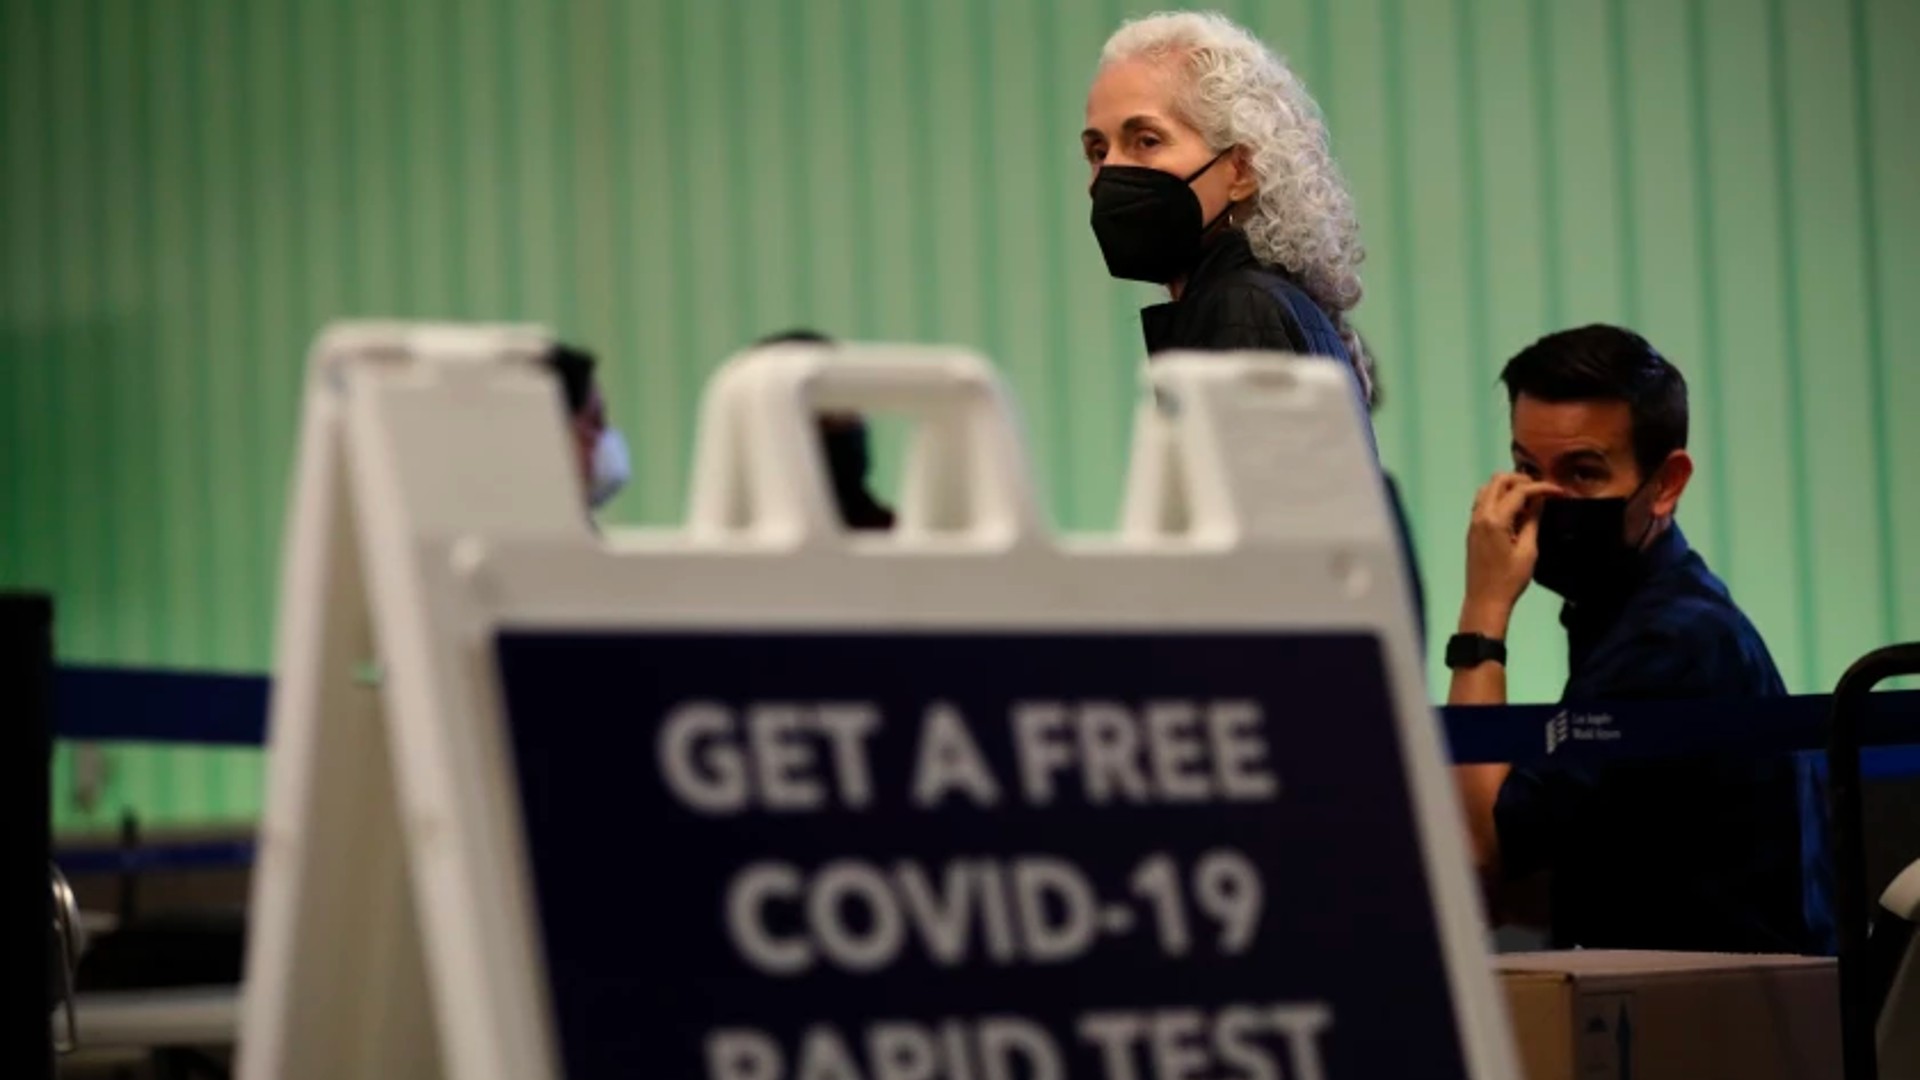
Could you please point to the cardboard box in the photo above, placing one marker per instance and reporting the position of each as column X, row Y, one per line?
column 1599, row 1015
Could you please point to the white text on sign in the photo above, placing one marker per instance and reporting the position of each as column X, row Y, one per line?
column 857, row 916
column 1235, row 1042
column 786, row 757
column 865, row 916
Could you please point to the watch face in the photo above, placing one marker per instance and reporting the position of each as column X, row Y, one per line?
column 1459, row 652
column 1470, row 650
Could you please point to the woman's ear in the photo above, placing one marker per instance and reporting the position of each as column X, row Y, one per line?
column 1246, row 183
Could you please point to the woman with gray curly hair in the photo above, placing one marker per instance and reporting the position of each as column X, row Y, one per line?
column 1212, row 177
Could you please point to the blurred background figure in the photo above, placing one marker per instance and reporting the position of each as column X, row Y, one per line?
column 848, row 447
column 1397, row 504
column 600, row 450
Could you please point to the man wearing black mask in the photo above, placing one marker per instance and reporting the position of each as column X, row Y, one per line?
column 1692, row 855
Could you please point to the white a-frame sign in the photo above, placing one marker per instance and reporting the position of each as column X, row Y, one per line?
column 759, row 798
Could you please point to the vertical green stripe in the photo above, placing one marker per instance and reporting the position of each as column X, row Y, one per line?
column 405, row 300
column 1120, row 395
column 185, row 391
column 130, row 776
column 1712, row 348
column 425, row 134
column 656, row 323
column 297, row 172
column 1545, row 134
column 13, row 502
column 196, row 317
column 481, row 165
column 746, row 309
column 175, row 798
column 682, row 385
column 343, row 141
column 260, row 345
column 1777, row 99
column 66, row 351
column 252, row 584
column 919, row 177
column 860, row 110
column 90, row 409
column 144, row 375
column 1879, row 414
column 282, row 108
column 1049, row 85
column 107, row 435
column 159, row 100
column 1393, row 61
column 1481, row 363
column 49, row 356
column 453, row 120
column 509, row 168
column 29, row 167
column 566, row 154
column 1619, row 79
column 799, row 93
column 220, row 319
column 367, row 127
column 250, row 633
column 986, row 171
column 626, row 195
column 1321, row 63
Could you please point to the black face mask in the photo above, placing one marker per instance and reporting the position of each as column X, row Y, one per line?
column 1585, row 555
column 1148, row 221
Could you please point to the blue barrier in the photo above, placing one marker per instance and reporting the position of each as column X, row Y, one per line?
column 1674, row 729
column 101, row 704
column 195, row 855
column 133, row 705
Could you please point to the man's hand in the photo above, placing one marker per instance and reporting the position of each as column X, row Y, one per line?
column 1503, row 542
column 1502, row 545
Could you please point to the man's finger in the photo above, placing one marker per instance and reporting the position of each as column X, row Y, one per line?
column 1490, row 493
column 1483, row 498
column 1527, row 539
column 1515, row 499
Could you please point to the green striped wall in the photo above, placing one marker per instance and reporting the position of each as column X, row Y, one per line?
column 190, row 188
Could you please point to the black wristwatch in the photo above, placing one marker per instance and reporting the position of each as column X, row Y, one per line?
column 1471, row 650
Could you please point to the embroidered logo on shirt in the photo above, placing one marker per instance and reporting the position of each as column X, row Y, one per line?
column 1556, row 731
column 1567, row 726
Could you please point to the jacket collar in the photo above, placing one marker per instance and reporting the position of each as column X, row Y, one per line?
column 1224, row 254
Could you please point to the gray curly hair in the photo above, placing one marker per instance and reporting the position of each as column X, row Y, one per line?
column 1237, row 92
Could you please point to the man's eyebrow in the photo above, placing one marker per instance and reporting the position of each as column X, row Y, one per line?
column 1583, row 454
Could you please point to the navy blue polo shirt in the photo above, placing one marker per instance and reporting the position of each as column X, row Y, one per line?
column 1725, row 855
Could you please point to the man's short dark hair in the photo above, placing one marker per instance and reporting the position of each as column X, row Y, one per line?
column 1607, row 363
column 574, row 366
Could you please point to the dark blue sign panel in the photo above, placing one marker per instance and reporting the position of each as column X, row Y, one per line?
column 976, row 857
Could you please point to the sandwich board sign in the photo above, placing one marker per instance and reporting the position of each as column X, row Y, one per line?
column 756, row 798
